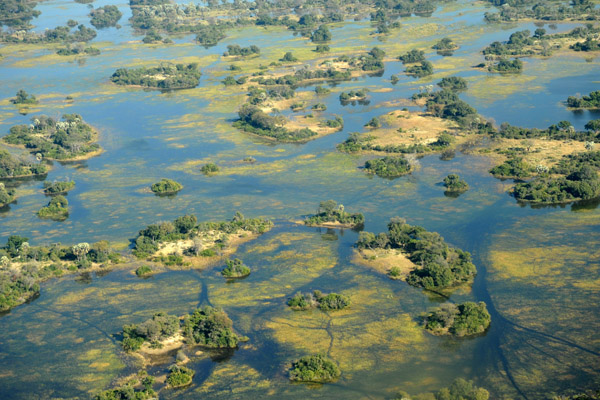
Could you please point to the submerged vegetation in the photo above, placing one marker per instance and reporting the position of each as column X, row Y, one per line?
column 67, row 139
column 332, row 213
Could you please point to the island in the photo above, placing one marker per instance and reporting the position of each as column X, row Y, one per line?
column 235, row 269
column 421, row 70
column 166, row 187
column 412, row 253
column 445, row 47
column 330, row 214
column 68, row 139
column 7, row 196
column 464, row 319
column 57, row 209
column 210, row 169
column 306, row 301
column 454, row 184
column 104, row 17
column 388, row 167
column 167, row 76
column 58, row 187
column 24, row 98
column 589, row 102
column 185, row 242
column 12, row 167
column 316, row 368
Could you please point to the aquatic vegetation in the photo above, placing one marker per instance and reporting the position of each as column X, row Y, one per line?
column 317, row 368
column 235, row 269
column 22, row 97
column 330, row 213
column 166, row 186
column 67, row 139
column 458, row 319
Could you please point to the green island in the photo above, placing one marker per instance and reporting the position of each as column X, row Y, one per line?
column 388, row 167
column 166, row 187
column 420, row 70
column 67, row 139
column 166, row 76
column 445, row 47
column 12, row 167
column 179, row 376
column 237, row 50
column 455, row 184
column 57, row 209
column 412, row 57
column 78, row 49
column 7, row 196
column 316, row 369
column 199, row 244
column 590, row 102
column 60, row 34
column 331, row 214
column 24, row 267
column 420, row 257
column 458, row 389
column 22, row 97
column 235, row 269
column 464, row 319
column 104, row 17
column 144, row 271
column 210, row 169
column 58, row 187
column 326, row 302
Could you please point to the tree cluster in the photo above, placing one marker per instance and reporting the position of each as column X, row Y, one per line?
column 331, row 212
column 166, row 76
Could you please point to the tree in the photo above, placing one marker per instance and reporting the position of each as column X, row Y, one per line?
column 327, row 207
column 321, row 35
column 593, row 125
column 81, row 250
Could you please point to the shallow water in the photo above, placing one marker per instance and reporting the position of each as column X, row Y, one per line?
column 538, row 271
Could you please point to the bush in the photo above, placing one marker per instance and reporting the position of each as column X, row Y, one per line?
column 58, row 187
column 179, row 376
column 143, row 270
column 317, row 368
column 453, row 183
column 210, row 169
column 413, row 56
column 23, row 97
column 388, row 167
column 330, row 212
column 166, row 186
column 459, row 320
column 235, row 269
column 210, row 327
column 57, row 209
column 425, row 68
column 106, row 16
column 333, row 301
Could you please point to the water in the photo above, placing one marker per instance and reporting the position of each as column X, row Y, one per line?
column 537, row 267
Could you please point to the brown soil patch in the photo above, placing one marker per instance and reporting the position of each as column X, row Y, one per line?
column 382, row 261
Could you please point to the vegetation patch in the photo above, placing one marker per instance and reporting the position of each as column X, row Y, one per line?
column 306, row 301
column 317, row 368
column 464, row 319
column 330, row 214
column 235, row 269
column 57, row 209
column 166, row 186
column 388, row 167
column 455, row 184
column 164, row 77
column 179, row 376
column 58, row 187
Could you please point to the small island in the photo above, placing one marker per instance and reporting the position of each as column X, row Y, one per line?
column 423, row 69
column 412, row 57
column 166, row 76
column 589, row 102
column 144, row 271
column 454, row 184
column 317, row 369
column 464, row 319
column 68, row 139
column 23, row 98
column 412, row 253
column 7, row 196
column 57, row 209
column 210, row 169
column 353, row 95
column 331, row 215
column 104, row 17
column 235, row 269
column 388, row 167
column 166, row 187
column 179, row 376
column 58, row 187
column 306, row 301
column 445, row 47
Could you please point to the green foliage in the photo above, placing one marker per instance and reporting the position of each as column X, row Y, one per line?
column 316, row 368
column 302, row 301
column 453, row 183
column 210, row 169
column 439, row 265
column 388, row 167
column 22, row 97
column 288, row 57
column 413, row 56
column 166, row 186
column 104, row 17
column 322, row 48
column 179, row 376
column 236, row 50
column 330, row 212
column 61, row 140
column 127, row 392
column 446, row 104
column 320, row 90
column 373, row 123
column 254, row 120
column 322, row 34
column 444, row 44
column 166, row 76
column 464, row 319
column 305, row 301
column 57, row 209
column 425, row 68
column 143, row 270
column 58, row 187
column 17, row 14
column 73, row 50
column 516, row 45
column 60, row 34
column 210, row 327
column 235, row 269
column 159, row 327
column 6, row 195
column 507, row 67
column 352, row 95
column 453, row 83
column 591, row 101
column 333, row 301
column 357, row 142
